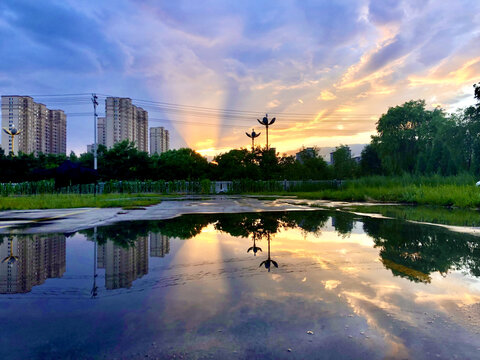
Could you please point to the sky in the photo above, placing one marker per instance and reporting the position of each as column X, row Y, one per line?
column 326, row 70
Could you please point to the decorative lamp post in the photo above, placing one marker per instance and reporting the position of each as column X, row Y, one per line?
column 12, row 132
column 253, row 135
column 266, row 123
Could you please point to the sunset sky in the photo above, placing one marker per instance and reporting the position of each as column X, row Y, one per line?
column 325, row 69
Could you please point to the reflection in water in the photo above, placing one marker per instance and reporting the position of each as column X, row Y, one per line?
column 207, row 296
column 10, row 259
column 125, row 259
column 269, row 260
column 159, row 245
column 412, row 251
column 415, row 251
column 29, row 260
column 123, row 265
column 254, row 248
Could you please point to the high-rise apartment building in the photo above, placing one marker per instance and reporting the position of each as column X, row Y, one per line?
column 101, row 134
column 159, row 140
column 125, row 121
column 42, row 130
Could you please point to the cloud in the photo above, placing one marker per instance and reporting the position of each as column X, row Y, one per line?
column 327, row 95
column 385, row 11
column 310, row 57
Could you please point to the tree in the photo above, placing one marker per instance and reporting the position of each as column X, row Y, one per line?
column 370, row 163
column 344, row 166
column 182, row 164
column 398, row 136
column 124, row 162
column 312, row 165
column 236, row 164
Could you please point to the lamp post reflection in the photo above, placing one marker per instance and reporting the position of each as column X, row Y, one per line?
column 269, row 261
column 254, row 248
column 10, row 259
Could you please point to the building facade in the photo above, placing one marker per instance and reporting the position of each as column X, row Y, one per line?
column 101, row 133
column 124, row 121
column 159, row 140
column 42, row 130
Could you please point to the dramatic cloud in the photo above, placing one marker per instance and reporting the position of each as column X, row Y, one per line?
column 325, row 69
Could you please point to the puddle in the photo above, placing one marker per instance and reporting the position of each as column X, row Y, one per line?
column 259, row 285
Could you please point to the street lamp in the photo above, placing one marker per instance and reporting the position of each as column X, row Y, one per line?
column 12, row 132
column 266, row 123
column 253, row 135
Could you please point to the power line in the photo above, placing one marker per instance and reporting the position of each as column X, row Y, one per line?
column 201, row 110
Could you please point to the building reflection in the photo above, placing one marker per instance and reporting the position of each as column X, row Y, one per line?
column 38, row 257
column 123, row 265
column 159, row 245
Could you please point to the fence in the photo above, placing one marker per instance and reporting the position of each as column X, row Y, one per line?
column 169, row 187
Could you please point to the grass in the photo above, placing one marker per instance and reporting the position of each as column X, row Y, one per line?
column 62, row 201
column 430, row 214
column 460, row 196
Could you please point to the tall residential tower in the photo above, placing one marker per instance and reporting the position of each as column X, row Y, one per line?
column 124, row 121
column 159, row 140
column 42, row 130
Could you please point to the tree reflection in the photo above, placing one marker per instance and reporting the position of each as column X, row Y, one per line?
column 414, row 251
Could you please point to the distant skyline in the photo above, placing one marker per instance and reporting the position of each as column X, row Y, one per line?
column 339, row 64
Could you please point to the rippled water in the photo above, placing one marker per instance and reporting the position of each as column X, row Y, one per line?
column 291, row 285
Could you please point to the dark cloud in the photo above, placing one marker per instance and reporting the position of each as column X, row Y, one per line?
column 394, row 50
column 47, row 35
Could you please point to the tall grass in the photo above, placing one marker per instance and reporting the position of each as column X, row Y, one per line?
column 462, row 196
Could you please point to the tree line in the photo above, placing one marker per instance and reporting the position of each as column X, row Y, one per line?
column 410, row 139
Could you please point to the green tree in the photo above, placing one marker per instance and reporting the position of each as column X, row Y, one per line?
column 370, row 163
column 312, row 165
column 344, row 167
column 398, row 136
column 236, row 164
column 124, row 162
column 182, row 164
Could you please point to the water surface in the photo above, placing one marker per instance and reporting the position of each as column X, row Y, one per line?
column 289, row 285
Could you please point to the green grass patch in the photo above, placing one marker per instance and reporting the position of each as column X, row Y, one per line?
column 62, row 201
column 461, row 196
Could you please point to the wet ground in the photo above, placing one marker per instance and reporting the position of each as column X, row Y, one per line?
column 277, row 285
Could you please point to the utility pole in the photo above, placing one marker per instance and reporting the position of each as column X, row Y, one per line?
column 95, row 103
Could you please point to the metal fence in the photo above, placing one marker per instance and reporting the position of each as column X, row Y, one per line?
column 169, row 187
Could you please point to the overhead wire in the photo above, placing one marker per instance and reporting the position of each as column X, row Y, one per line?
column 206, row 113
